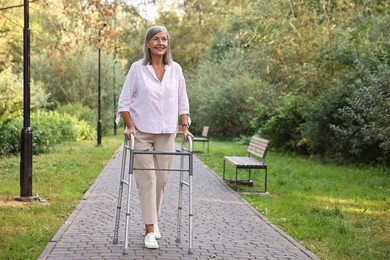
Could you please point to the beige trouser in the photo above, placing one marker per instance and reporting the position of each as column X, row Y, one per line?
column 151, row 184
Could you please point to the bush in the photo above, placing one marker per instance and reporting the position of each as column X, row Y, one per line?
column 283, row 128
column 53, row 128
column 73, row 79
column 351, row 123
column 218, row 97
column 10, row 132
column 80, row 111
column 319, row 116
column 363, row 131
column 49, row 129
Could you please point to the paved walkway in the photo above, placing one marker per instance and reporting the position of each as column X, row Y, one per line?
column 225, row 226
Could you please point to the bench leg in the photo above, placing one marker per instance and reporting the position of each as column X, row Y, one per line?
column 223, row 175
column 236, row 177
column 265, row 181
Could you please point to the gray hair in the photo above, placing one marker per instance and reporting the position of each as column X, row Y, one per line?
column 152, row 31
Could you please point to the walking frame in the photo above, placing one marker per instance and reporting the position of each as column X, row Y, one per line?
column 183, row 153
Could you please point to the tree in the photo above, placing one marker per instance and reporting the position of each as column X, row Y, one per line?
column 11, row 95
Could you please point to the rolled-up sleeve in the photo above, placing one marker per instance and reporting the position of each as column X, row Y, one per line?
column 127, row 93
column 184, row 107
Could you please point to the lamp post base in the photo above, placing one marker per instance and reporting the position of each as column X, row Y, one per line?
column 26, row 162
column 27, row 199
column 99, row 132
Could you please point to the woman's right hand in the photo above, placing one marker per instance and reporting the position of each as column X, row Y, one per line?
column 128, row 131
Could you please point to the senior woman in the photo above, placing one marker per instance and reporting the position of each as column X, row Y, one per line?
column 153, row 97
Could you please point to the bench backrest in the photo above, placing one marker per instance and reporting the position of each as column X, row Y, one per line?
column 258, row 147
column 205, row 131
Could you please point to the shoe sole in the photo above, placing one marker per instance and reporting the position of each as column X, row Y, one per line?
column 151, row 247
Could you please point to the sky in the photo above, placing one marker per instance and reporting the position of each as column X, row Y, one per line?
column 149, row 11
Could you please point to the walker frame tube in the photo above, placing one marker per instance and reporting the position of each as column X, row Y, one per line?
column 182, row 153
column 122, row 181
column 119, row 204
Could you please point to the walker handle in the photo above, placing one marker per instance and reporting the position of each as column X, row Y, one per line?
column 189, row 139
column 131, row 146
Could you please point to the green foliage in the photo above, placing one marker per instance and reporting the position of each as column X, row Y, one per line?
column 10, row 132
column 364, row 128
column 49, row 129
column 305, row 57
column 288, row 70
column 283, row 127
column 320, row 115
column 70, row 85
column 191, row 28
column 353, row 120
column 83, row 113
column 11, row 95
column 56, row 28
column 219, row 94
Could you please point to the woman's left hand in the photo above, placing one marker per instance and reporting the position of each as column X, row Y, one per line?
column 186, row 133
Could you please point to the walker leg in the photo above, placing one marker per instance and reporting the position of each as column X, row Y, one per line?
column 236, row 177
column 180, row 206
column 190, row 216
column 223, row 175
column 119, row 204
column 265, row 180
column 131, row 164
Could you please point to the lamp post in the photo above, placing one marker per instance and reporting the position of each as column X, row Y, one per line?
column 99, row 122
column 115, row 62
column 26, row 133
column 114, row 94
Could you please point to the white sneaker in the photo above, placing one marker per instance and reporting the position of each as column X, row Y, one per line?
column 150, row 241
column 157, row 233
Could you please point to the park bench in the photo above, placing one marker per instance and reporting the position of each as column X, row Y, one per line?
column 257, row 147
column 204, row 139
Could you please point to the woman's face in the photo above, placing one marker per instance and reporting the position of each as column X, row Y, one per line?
column 158, row 44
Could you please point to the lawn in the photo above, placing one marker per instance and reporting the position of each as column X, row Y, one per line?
column 336, row 211
column 60, row 179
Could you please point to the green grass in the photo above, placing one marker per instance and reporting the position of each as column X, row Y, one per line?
column 61, row 178
column 336, row 211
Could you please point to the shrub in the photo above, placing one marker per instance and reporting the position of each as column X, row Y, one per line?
column 283, row 128
column 319, row 116
column 80, row 111
column 364, row 127
column 49, row 129
column 73, row 79
column 218, row 95
column 10, row 137
column 351, row 123
column 53, row 128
